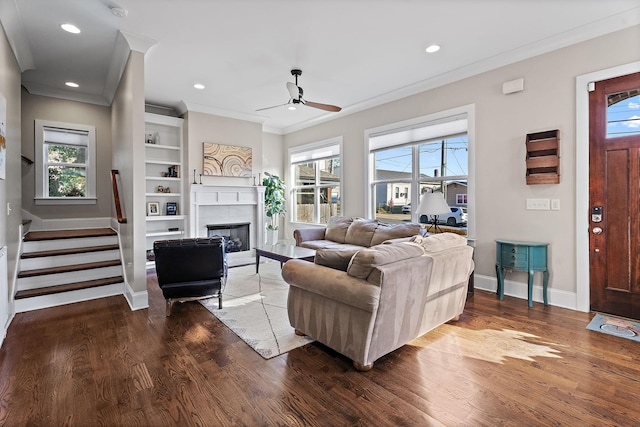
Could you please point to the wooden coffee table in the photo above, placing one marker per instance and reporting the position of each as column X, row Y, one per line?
column 284, row 252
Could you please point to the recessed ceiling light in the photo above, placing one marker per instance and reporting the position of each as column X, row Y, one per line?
column 72, row 84
column 433, row 48
column 119, row 12
column 70, row 28
column 292, row 107
column 199, row 86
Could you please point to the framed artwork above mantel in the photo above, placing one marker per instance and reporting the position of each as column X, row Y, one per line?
column 226, row 160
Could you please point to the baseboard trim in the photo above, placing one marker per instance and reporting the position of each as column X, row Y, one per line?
column 54, row 300
column 136, row 300
column 520, row 290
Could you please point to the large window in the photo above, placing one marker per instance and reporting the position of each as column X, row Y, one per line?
column 409, row 160
column 65, row 155
column 316, row 181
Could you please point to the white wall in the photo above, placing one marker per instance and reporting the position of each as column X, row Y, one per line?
column 62, row 110
column 502, row 122
column 10, row 187
column 127, row 121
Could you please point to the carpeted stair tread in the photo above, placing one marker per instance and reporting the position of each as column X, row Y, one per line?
column 33, row 236
column 68, row 268
column 68, row 287
column 70, row 251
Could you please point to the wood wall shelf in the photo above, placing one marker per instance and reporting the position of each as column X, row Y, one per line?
column 543, row 157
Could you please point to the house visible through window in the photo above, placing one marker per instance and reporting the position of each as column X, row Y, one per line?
column 419, row 157
column 316, row 181
column 65, row 154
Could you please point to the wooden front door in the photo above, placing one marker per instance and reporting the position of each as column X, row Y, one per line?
column 614, row 196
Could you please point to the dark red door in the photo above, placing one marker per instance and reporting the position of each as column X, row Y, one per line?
column 614, row 188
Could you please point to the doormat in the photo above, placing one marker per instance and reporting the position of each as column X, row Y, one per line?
column 617, row 326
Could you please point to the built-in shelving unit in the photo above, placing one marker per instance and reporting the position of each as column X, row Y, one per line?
column 164, row 180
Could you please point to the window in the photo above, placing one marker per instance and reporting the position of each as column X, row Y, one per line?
column 316, row 178
column 65, row 155
column 419, row 156
column 623, row 114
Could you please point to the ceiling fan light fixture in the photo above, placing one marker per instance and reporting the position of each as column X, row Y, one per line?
column 72, row 84
column 70, row 28
column 199, row 86
column 432, row 48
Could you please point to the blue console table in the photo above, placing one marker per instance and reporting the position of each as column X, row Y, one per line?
column 522, row 256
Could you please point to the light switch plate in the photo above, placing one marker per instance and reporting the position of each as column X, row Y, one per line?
column 555, row 204
column 538, row 204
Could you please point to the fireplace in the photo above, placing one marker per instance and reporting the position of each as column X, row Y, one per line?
column 236, row 236
column 220, row 206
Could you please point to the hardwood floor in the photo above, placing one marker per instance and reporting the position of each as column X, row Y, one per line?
column 502, row 364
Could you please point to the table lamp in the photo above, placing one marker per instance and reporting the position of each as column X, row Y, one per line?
column 432, row 205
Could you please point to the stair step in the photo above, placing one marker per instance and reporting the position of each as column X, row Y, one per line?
column 68, row 268
column 68, row 234
column 70, row 251
column 68, row 287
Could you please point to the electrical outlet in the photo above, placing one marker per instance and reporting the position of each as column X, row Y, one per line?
column 555, row 204
column 538, row 204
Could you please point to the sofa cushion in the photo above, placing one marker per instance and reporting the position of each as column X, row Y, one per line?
column 337, row 257
column 364, row 261
column 337, row 227
column 361, row 231
column 329, row 244
column 394, row 231
column 440, row 242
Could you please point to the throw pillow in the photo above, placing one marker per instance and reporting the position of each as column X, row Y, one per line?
column 440, row 242
column 394, row 231
column 361, row 231
column 364, row 261
column 335, row 258
column 337, row 227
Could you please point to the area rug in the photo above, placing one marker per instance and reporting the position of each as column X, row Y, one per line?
column 254, row 307
column 617, row 326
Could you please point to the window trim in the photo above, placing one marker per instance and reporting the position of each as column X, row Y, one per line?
column 434, row 118
column 308, row 148
column 40, row 175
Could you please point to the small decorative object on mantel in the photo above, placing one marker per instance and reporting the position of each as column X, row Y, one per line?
column 543, row 157
column 194, row 177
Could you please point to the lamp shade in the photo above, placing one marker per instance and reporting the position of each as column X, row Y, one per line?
column 432, row 204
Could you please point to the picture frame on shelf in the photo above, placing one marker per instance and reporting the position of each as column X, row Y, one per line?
column 153, row 208
column 172, row 208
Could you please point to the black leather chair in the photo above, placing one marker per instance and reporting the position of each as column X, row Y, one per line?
column 191, row 269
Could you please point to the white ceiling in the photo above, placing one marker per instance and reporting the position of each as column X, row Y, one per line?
column 353, row 53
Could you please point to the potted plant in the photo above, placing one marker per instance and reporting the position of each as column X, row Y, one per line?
column 274, row 204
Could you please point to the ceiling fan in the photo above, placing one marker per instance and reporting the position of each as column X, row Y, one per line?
column 296, row 97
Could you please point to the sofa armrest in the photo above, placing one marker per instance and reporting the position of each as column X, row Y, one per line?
column 306, row 234
column 333, row 284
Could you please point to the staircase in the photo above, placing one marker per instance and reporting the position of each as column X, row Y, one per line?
column 65, row 266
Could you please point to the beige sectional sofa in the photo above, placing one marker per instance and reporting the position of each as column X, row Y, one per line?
column 387, row 295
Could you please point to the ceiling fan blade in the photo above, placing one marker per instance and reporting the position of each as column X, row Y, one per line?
column 294, row 90
column 325, row 107
column 274, row 106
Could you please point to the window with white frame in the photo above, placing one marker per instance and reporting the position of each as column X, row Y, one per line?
column 65, row 159
column 418, row 157
column 316, row 180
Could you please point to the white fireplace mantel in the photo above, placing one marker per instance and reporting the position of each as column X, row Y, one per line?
column 207, row 195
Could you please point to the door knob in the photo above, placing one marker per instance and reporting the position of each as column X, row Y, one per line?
column 597, row 230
